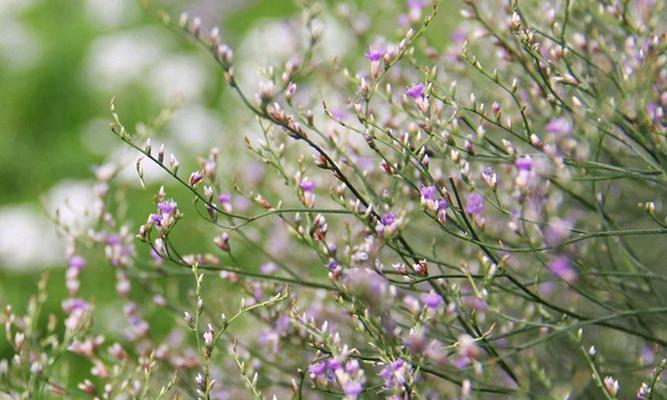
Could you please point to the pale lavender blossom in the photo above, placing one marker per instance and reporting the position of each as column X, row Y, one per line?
column 475, row 204
column 416, row 91
column 561, row 266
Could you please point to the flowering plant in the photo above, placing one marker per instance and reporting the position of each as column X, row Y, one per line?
column 429, row 221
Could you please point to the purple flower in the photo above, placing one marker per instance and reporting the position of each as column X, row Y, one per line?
column 471, row 300
column 431, row 300
column 166, row 207
column 475, row 204
column 225, row 198
column 352, row 388
column 338, row 113
column 77, row 262
column 195, row 178
column 388, row 218
column 562, row 268
column 459, row 36
column 524, row 163
column 428, row 193
column 489, row 176
column 429, row 197
column 270, row 337
column 332, row 265
column 416, row 91
column 268, row 268
column 333, row 364
column 352, row 367
column 113, row 240
column 417, row 4
column 389, row 224
column 307, row 186
column 461, row 362
column 156, row 219
column 374, row 54
column 558, row 127
column 72, row 305
column 442, row 210
column 317, row 370
column 395, row 374
column 557, row 231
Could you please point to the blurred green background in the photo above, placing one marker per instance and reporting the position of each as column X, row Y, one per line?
column 60, row 63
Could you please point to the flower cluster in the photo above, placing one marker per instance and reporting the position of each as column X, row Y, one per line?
column 469, row 210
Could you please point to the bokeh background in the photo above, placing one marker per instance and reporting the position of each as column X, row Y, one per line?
column 61, row 61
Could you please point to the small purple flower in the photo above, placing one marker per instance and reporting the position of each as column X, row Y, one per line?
column 374, row 54
column 225, row 198
column 195, row 178
column 417, row 4
column 352, row 388
column 558, row 127
column 113, row 240
column 166, row 207
column 472, row 301
column 396, row 374
column 72, row 305
column 428, row 193
column 489, row 176
column 388, row 218
column 270, row 337
column 338, row 113
column 317, row 370
column 389, row 224
column 307, row 186
column 475, row 204
column 386, row 373
column 431, row 300
column 462, row 362
column 332, row 265
column 351, row 367
column 416, row 91
column 77, row 263
column 562, row 267
column 269, row 268
column 442, row 210
column 333, row 365
column 557, row 231
column 156, row 219
column 429, row 197
column 524, row 163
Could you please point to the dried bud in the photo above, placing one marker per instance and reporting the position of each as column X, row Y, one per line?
column 195, row 178
column 222, row 242
column 195, row 26
column 173, row 164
